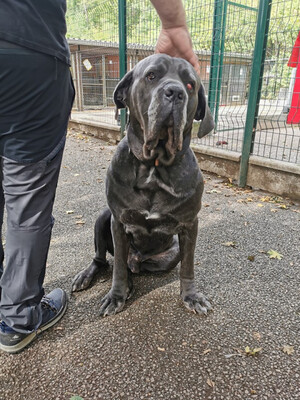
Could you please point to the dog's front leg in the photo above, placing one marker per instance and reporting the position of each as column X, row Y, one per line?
column 115, row 299
column 193, row 300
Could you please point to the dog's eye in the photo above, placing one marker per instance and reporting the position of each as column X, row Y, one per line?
column 190, row 86
column 150, row 76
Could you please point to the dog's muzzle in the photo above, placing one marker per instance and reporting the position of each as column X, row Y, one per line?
column 166, row 121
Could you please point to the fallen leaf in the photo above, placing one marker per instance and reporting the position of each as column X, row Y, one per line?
column 80, row 222
column 277, row 199
column 206, row 351
column 70, row 212
column 288, row 350
column 251, row 258
column 252, row 352
column 230, row 244
column 274, row 254
column 265, row 199
column 283, row 206
column 296, row 211
column 210, row 382
column 252, row 391
column 273, row 210
column 161, row 349
column 260, row 205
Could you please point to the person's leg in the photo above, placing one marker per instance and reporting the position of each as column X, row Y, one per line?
column 1, row 222
column 29, row 191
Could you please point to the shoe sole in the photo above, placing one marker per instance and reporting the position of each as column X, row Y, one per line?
column 32, row 336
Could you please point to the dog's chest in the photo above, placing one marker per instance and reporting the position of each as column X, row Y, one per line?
column 157, row 206
column 151, row 200
column 156, row 181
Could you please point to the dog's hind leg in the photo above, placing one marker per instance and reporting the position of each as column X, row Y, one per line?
column 103, row 243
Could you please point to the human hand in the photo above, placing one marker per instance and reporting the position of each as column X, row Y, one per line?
column 176, row 42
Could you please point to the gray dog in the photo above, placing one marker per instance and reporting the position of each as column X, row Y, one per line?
column 154, row 185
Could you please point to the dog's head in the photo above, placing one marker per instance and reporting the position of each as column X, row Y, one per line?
column 164, row 95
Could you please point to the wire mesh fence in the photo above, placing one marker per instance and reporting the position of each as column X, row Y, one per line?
column 223, row 34
column 227, row 32
column 277, row 136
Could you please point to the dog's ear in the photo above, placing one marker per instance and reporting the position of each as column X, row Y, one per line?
column 203, row 113
column 121, row 90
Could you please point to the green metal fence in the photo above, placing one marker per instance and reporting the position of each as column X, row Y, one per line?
column 243, row 48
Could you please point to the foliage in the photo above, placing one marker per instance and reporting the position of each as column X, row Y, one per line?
column 98, row 20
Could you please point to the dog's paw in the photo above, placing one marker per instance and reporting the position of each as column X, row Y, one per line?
column 112, row 303
column 197, row 303
column 83, row 280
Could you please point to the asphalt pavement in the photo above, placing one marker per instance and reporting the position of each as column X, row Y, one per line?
column 248, row 265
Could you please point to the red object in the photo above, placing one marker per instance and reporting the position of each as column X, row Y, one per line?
column 294, row 62
column 294, row 59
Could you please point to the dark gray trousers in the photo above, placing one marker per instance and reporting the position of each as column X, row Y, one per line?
column 28, row 192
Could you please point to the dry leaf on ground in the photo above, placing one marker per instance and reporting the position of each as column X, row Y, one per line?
column 288, row 349
column 230, row 244
column 274, row 254
column 210, row 382
column 80, row 222
column 252, row 352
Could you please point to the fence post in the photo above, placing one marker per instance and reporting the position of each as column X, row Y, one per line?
column 104, row 86
column 78, row 77
column 122, row 53
column 221, row 58
column 259, row 54
column 215, row 67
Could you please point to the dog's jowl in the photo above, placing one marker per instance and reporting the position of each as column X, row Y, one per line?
column 154, row 185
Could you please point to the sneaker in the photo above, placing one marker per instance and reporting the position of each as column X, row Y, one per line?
column 54, row 306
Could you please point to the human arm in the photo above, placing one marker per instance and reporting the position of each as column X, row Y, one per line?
column 174, row 38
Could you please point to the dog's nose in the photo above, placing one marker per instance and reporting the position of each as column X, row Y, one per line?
column 173, row 92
